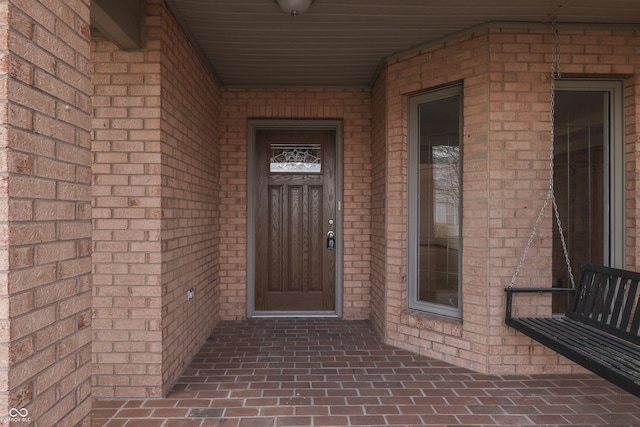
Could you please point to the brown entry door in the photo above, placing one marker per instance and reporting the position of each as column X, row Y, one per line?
column 295, row 214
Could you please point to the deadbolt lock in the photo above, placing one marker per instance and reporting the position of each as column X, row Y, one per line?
column 331, row 240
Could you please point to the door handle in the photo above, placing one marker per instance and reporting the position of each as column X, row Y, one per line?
column 331, row 240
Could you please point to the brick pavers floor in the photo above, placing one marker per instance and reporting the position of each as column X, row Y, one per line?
column 329, row 372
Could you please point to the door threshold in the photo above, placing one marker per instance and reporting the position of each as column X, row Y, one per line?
column 267, row 314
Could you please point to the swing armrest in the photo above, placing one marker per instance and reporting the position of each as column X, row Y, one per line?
column 511, row 291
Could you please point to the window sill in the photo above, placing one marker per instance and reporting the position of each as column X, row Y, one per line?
column 431, row 322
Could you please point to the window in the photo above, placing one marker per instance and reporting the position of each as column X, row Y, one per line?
column 287, row 158
column 435, row 170
column 588, row 176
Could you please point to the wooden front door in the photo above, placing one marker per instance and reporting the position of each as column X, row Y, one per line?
column 295, row 214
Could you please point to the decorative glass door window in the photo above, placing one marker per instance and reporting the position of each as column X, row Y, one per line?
column 292, row 158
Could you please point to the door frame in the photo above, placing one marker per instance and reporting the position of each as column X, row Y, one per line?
column 254, row 126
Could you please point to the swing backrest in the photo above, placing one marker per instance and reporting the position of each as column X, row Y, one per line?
column 607, row 298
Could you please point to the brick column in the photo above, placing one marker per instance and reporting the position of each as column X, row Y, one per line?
column 156, row 206
column 45, row 212
column 127, row 300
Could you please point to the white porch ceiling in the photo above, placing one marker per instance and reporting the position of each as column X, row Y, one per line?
column 343, row 42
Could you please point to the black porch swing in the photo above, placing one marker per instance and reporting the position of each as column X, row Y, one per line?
column 600, row 329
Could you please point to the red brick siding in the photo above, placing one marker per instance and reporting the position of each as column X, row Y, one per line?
column 155, row 184
column 379, row 203
column 190, row 167
column 127, row 257
column 45, row 212
column 632, row 165
column 506, row 136
column 126, row 237
column 350, row 105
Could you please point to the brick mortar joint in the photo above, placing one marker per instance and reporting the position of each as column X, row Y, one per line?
column 431, row 322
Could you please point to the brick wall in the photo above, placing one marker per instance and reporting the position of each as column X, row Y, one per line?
column 45, row 212
column 155, row 183
column 379, row 203
column 506, row 136
column 632, row 166
column 520, row 139
column 190, row 166
column 352, row 106
column 127, row 256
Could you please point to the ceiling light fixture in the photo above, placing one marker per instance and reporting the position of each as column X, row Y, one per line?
column 294, row 7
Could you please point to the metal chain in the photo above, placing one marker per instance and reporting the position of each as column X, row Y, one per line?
column 555, row 74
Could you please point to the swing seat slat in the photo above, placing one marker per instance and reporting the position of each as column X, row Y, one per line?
column 600, row 329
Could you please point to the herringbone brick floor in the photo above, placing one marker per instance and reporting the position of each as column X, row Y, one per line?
column 329, row 372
